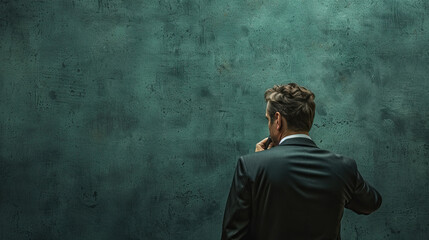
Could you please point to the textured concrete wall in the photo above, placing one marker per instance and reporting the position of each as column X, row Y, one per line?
column 124, row 119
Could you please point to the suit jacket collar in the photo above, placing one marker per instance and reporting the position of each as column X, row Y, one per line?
column 299, row 141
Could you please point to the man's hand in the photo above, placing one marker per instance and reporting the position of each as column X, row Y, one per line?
column 260, row 146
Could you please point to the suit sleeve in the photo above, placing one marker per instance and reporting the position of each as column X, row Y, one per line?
column 365, row 199
column 238, row 206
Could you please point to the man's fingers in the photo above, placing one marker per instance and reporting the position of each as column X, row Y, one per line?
column 260, row 146
column 263, row 141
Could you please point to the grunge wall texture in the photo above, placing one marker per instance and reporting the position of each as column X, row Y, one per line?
column 125, row 119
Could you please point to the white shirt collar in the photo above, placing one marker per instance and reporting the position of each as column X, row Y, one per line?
column 295, row 136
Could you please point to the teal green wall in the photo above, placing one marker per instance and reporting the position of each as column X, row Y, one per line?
column 125, row 119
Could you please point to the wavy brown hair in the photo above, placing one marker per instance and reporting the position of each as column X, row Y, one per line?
column 294, row 102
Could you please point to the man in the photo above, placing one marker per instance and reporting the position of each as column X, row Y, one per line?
column 294, row 190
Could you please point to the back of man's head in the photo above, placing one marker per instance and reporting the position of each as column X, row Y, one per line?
column 294, row 102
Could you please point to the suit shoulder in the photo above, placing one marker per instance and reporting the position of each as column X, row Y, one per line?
column 253, row 161
column 346, row 161
column 256, row 156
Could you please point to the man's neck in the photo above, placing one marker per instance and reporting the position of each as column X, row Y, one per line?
column 288, row 133
column 291, row 134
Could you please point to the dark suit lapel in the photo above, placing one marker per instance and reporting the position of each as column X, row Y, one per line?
column 298, row 141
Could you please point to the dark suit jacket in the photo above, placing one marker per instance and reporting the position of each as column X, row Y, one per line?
column 294, row 191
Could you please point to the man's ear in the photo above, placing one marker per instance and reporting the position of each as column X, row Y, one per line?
column 278, row 117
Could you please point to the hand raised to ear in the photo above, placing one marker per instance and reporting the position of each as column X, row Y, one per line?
column 260, row 146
